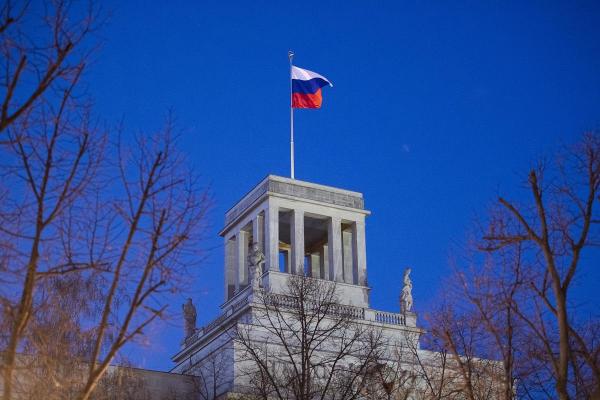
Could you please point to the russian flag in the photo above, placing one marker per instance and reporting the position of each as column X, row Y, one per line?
column 306, row 88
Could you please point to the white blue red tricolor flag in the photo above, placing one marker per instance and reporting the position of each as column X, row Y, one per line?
column 306, row 88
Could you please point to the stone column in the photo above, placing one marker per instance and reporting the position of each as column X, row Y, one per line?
column 242, row 260
column 286, row 266
column 359, row 251
column 315, row 265
column 297, row 239
column 272, row 237
column 258, row 232
column 230, row 276
column 334, row 239
column 324, row 256
column 348, row 257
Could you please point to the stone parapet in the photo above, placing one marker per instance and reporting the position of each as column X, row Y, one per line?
column 294, row 188
column 247, row 299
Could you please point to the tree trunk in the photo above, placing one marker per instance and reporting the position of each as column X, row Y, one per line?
column 21, row 321
column 564, row 348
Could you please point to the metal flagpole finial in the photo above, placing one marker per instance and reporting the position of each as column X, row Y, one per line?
column 290, row 54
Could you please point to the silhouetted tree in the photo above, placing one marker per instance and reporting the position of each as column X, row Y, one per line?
column 304, row 344
column 516, row 292
column 92, row 234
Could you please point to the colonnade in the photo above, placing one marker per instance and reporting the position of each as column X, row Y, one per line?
column 342, row 258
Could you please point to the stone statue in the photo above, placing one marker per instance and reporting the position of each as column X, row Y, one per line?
column 406, row 299
column 255, row 259
column 189, row 314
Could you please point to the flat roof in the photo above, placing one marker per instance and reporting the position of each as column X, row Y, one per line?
column 273, row 184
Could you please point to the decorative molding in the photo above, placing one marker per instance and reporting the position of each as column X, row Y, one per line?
column 317, row 194
column 246, row 202
column 300, row 190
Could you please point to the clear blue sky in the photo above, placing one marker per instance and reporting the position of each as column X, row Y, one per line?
column 437, row 107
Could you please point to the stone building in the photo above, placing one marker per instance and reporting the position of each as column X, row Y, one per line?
column 301, row 228
column 284, row 229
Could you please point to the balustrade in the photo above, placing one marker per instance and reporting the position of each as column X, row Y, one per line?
column 285, row 301
column 389, row 318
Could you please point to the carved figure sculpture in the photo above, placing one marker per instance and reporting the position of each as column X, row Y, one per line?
column 189, row 314
column 406, row 299
column 255, row 259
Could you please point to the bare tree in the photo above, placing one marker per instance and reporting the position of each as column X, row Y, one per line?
column 150, row 232
column 91, row 235
column 512, row 304
column 122, row 383
column 51, row 160
column 50, row 152
column 434, row 375
column 478, row 321
column 40, row 53
column 127, row 246
column 555, row 226
column 213, row 375
column 304, row 344
column 409, row 371
column 392, row 379
column 472, row 357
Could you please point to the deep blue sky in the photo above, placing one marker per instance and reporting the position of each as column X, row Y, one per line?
column 437, row 107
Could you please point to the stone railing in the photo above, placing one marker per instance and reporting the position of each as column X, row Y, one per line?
column 360, row 313
column 281, row 300
column 241, row 294
column 389, row 318
column 215, row 322
column 240, row 304
column 352, row 312
column 237, row 304
column 192, row 338
column 286, row 301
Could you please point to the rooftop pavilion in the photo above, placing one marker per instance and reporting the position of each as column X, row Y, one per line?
column 302, row 228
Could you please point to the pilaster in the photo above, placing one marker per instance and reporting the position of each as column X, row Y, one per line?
column 334, row 239
column 360, row 251
column 272, row 237
column 242, row 260
column 258, row 231
column 348, row 256
column 297, row 238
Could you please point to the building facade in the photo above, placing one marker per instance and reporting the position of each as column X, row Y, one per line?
column 289, row 227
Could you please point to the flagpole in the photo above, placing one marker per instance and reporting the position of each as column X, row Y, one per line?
column 291, row 56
